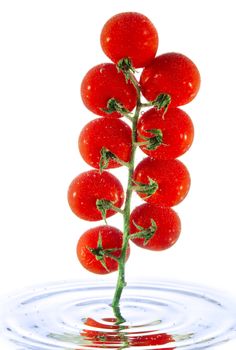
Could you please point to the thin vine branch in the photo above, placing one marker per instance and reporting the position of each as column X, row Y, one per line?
column 121, row 282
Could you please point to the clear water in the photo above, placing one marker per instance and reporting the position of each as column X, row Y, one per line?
column 77, row 315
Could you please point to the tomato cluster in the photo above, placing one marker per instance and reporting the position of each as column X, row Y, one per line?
column 164, row 132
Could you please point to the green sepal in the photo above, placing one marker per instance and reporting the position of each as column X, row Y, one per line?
column 125, row 66
column 148, row 189
column 106, row 155
column 140, row 228
column 115, row 106
column 153, row 142
column 103, row 205
column 145, row 233
column 162, row 101
column 100, row 253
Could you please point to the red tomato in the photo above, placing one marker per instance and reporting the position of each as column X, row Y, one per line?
column 111, row 238
column 104, row 82
column 167, row 221
column 172, row 177
column 152, row 339
column 130, row 35
column 176, row 127
column 113, row 134
column 89, row 186
column 171, row 73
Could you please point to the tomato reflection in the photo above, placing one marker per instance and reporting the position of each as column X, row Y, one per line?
column 116, row 336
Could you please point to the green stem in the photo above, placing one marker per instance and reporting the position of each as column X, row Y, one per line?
column 121, row 282
column 123, row 163
column 143, row 143
column 117, row 209
column 110, row 255
column 147, row 104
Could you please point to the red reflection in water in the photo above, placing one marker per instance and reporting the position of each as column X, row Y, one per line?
column 115, row 336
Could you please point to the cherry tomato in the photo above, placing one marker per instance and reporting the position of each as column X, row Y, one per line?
column 172, row 177
column 152, row 339
column 103, row 82
column 176, row 128
column 89, row 186
column 167, row 222
column 171, row 73
column 130, row 35
column 111, row 238
column 113, row 134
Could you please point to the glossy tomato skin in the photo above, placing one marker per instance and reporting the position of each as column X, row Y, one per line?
column 167, row 221
column 177, row 129
column 172, row 177
column 89, row 186
column 104, row 82
column 111, row 238
column 113, row 134
column 171, row 73
column 130, row 35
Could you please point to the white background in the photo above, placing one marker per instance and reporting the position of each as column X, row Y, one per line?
column 46, row 49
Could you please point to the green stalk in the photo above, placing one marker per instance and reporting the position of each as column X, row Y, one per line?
column 121, row 282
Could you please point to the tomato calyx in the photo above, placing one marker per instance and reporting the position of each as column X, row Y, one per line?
column 103, row 205
column 148, row 189
column 106, row 156
column 145, row 233
column 152, row 142
column 125, row 66
column 115, row 106
column 100, row 253
column 162, row 101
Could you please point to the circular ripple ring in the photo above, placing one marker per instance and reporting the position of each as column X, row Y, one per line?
column 77, row 315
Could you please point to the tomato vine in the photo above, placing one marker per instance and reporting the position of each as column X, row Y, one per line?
column 164, row 132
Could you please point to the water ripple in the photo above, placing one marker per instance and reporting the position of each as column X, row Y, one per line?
column 75, row 315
